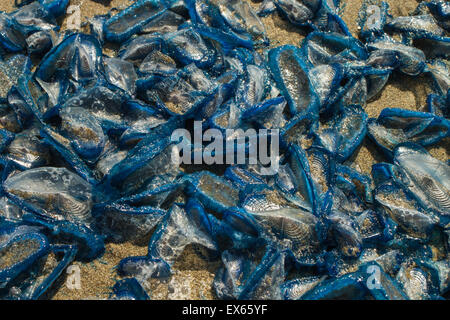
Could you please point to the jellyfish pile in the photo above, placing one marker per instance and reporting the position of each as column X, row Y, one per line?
column 87, row 121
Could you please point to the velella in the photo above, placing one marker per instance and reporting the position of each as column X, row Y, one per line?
column 132, row 20
column 71, row 194
column 21, row 246
column 395, row 126
column 290, row 73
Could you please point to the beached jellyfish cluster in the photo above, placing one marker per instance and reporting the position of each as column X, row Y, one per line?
column 87, row 148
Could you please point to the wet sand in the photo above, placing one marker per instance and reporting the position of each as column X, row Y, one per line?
column 193, row 274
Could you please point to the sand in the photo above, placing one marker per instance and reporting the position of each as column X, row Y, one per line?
column 98, row 277
column 193, row 275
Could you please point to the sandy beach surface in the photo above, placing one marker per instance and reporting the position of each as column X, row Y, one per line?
column 193, row 274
